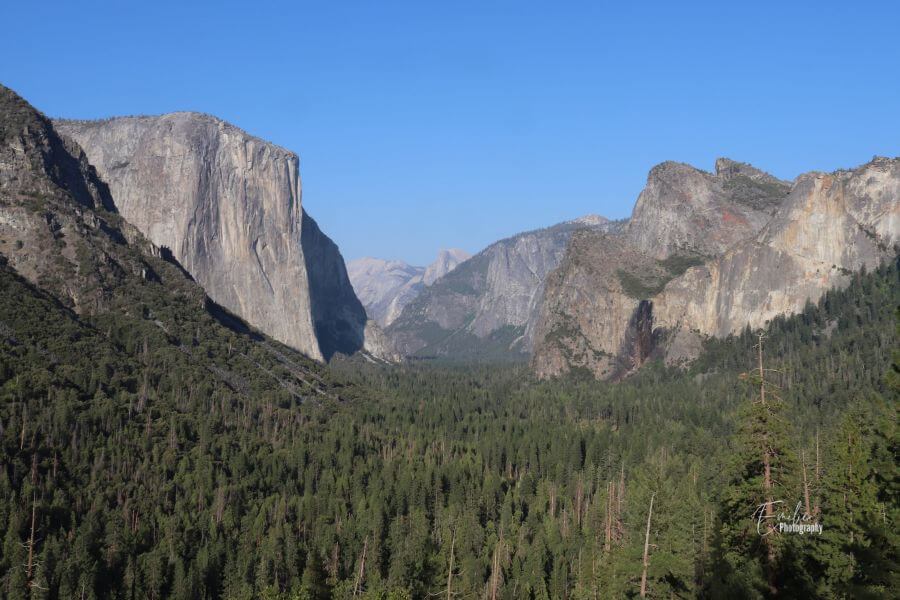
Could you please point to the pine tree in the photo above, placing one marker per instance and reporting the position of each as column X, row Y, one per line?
column 762, row 487
column 314, row 585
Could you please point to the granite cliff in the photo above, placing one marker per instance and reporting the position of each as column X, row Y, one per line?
column 488, row 305
column 386, row 286
column 339, row 317
column 707, row 255
column 227, row 206
column 91, row 285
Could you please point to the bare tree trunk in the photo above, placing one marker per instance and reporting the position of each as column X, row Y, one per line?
column 362, row 568
column 610, row 491
column 495, row 568
column 805, row 483
column 818, row 472
column 450, row 570
column 29, row 567
column 647, row 549
column 24, row 420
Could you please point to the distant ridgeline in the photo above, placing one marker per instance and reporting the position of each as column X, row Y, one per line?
column 702, row 256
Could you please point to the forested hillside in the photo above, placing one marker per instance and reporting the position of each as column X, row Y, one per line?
column 149, row 452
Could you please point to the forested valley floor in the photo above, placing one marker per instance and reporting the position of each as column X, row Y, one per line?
column 149, row 452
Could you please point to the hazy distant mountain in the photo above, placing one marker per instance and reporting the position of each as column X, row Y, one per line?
column 488, row 305
column 386, row 286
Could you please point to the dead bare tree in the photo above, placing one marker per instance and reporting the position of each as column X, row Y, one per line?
column 362, row 569
column 647, row 549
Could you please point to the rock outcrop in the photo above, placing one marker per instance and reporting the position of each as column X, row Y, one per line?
column 386, row 286
column 488, row 305
column 447, row 260
column 683, row 210
column 228, row 207
column 707, row 255
column 338, row 316
column 830, row 226
column 55, row 227
column 80, row 282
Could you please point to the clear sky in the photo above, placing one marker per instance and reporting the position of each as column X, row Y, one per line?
column 425, row 124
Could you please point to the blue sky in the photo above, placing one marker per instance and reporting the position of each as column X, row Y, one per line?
column 423, row 125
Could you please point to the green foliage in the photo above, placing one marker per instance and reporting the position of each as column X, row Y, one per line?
column 640, row 287
column 677, row 264
column 170, row 457
column 652, row 281
column 756, row 193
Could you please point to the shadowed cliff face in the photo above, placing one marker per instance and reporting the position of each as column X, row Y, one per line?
column 707, row 255
column 226, row 204
column 338, row 315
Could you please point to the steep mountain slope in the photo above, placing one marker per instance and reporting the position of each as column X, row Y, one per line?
column 683, row 210
column 228, row 206
column 830, row 226
column 488, row 305
column 386, row 286
column 89, row 288
column 708, row 255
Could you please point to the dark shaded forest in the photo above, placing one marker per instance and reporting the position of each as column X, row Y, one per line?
column 201, row 462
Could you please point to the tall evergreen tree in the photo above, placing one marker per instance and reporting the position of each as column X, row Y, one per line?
column 762, row 488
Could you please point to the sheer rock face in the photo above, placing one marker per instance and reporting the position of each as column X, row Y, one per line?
column 685, row 210
column 339, row 317
column 386, row 286
column 226, row 204
column 489, row 304
column 830, row 226
column 610, row 289
column 585, row 316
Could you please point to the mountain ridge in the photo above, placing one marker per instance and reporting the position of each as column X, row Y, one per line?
column 486, row 307
column 721, row 267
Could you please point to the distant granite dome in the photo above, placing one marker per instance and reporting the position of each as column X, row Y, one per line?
column 386, row 286
column 447, row 260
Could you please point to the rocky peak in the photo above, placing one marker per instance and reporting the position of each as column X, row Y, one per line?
column 591, row 220
column 386, row 286
column 488, row 306
column 56, row 229
column 447, row 260
column 729, row 169
column 614, row 299
column 686, row 211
